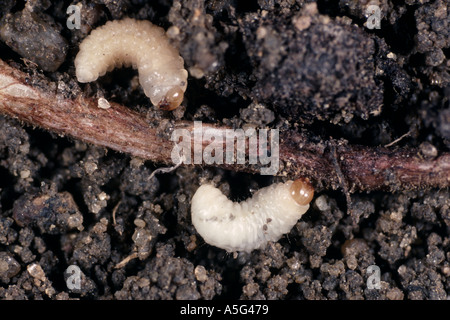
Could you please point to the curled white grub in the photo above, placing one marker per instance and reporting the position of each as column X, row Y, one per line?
column 142, row 45
column 249, row 225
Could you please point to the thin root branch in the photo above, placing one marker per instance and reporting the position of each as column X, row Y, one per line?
column 355, row 168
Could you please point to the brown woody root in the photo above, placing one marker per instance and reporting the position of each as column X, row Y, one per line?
column 357, row 168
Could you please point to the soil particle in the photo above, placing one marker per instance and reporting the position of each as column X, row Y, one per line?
column 7, row 234
column 323, row 83
column 421, row 283
column 357, row 254
column 15, row 147
column 433, row 36
column 316, row 241
column 36, row 37
column 257, row 114
column 147, row 230
column 40, row 280
column 92, row 247
column 52, row 213
column 137, row 181
column 168, row 277
column 203, row 50
column 9, row 267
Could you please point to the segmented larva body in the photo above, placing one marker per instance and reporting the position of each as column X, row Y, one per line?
column 142, row 45
column 249, row 225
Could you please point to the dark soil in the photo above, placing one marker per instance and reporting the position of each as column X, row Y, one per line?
column 260, row 63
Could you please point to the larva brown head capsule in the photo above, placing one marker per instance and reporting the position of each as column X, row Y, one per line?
column 172, row 99
column 302, row 191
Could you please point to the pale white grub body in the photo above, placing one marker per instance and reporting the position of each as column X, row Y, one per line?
column 142, row 45
column 248, row 225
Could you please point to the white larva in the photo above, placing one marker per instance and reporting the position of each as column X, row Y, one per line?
column 142, row 45
column 249, row 225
